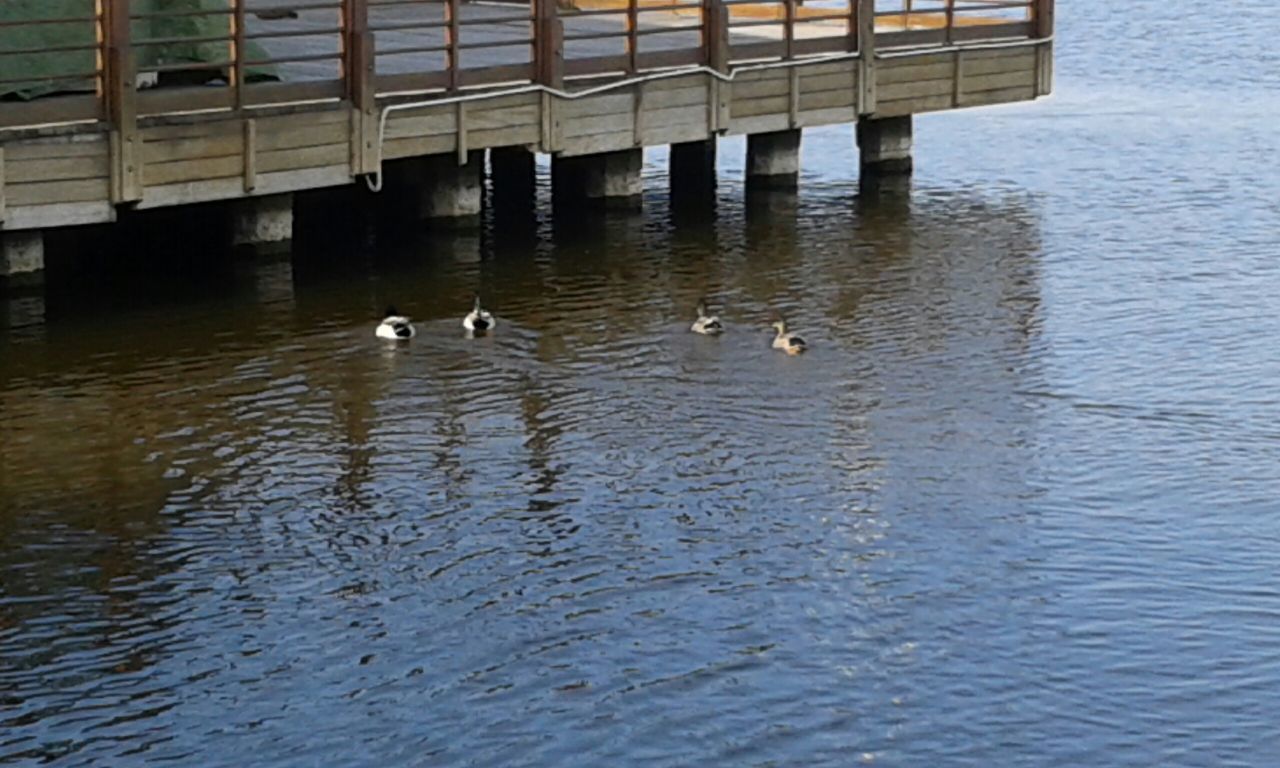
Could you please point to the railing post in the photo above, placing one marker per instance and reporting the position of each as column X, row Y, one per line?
column 715, row 34
column 633, row 40
column 121, row 95
column 866, row 57
column 851, row 29
column 452, row 13
column 238, row 51
column 951, row 19
column 548, row 68
column 1043, row 30
column 550, row 63
column 718, row 55
column 359, row 73
column 789, row 28
column 1043, row 18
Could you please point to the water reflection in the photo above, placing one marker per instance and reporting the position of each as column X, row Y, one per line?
column 1015, row 507
column 588, row 515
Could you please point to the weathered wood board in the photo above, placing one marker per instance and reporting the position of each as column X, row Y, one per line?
column 63, row 177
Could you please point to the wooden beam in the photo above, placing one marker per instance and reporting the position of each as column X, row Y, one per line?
column 452, row 17
column 715, row 42
column 851, row 30
column 789, row 27
column 460, row 118
column 957, row 83
column 238, row 50
column 1043, row 29
column 250, row 150
column 548, row 124
column 632, row 42
column 550, row 36
column 793, row 89
column 1043, row 18
column 866, row 57
column 122, row 106
column 2, row 174
column 361, row 90
column 637, row 110
column 715, row 34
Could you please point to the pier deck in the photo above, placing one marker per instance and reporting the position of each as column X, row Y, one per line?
column 359, row 84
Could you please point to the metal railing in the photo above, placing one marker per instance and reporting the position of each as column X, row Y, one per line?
column 104, row 64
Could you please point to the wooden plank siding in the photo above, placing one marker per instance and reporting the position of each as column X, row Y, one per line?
column 50, row 181
column 72, row 174
column 954, row 80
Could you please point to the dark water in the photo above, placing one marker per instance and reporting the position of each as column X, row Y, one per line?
column 1020, row 505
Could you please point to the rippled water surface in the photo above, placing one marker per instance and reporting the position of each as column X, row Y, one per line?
column 1020, row 505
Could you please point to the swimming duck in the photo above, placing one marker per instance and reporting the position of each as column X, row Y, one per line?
column 708, row 325
column 395, row 326
column 787, row 342
column 479, row 320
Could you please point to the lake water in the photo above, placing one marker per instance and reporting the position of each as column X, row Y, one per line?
column 1018, row 506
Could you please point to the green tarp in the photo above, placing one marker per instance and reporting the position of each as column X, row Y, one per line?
column 32, row 64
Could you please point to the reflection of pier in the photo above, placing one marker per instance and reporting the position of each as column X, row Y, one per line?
column 157, row 103
column 332, row 495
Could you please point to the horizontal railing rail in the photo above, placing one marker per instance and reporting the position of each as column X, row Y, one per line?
column 106, row 64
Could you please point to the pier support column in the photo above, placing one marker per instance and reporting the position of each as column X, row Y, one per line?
column 614, row 177
column 451, row 194
column 773, row 159
column 611, row 178
column 608, row 178
column 567, row 179
column 693, row 165
column 21, row 256
column 263, row 223
column 884, row 146
column 514, row 171
column 513, row 194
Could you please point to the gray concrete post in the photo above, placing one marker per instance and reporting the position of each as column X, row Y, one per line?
column 884, row 145
column 263, row 223
column 693, row 163
column 21, row 256
column 611, row 178
column 451, row 193
column 773, row 159
column 567, row 178
column 514, row 173
column 614, row 177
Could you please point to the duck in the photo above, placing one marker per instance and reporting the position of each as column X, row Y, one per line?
column 395, row 326
column 787, row 342
column 707, row 325
column 479, row 319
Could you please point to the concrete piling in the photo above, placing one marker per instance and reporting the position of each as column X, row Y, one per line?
column 884, row 146
column 693, row 166
column 263, row 223
column 450, row 193
column 21, row 256
column 610, row 178
column 773, row 159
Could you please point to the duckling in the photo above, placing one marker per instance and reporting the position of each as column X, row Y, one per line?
column 395, row 326
column 479, row 320
column 707, row 325
column 787, row 342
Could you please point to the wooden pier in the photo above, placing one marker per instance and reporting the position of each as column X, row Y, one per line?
column 262, row 98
